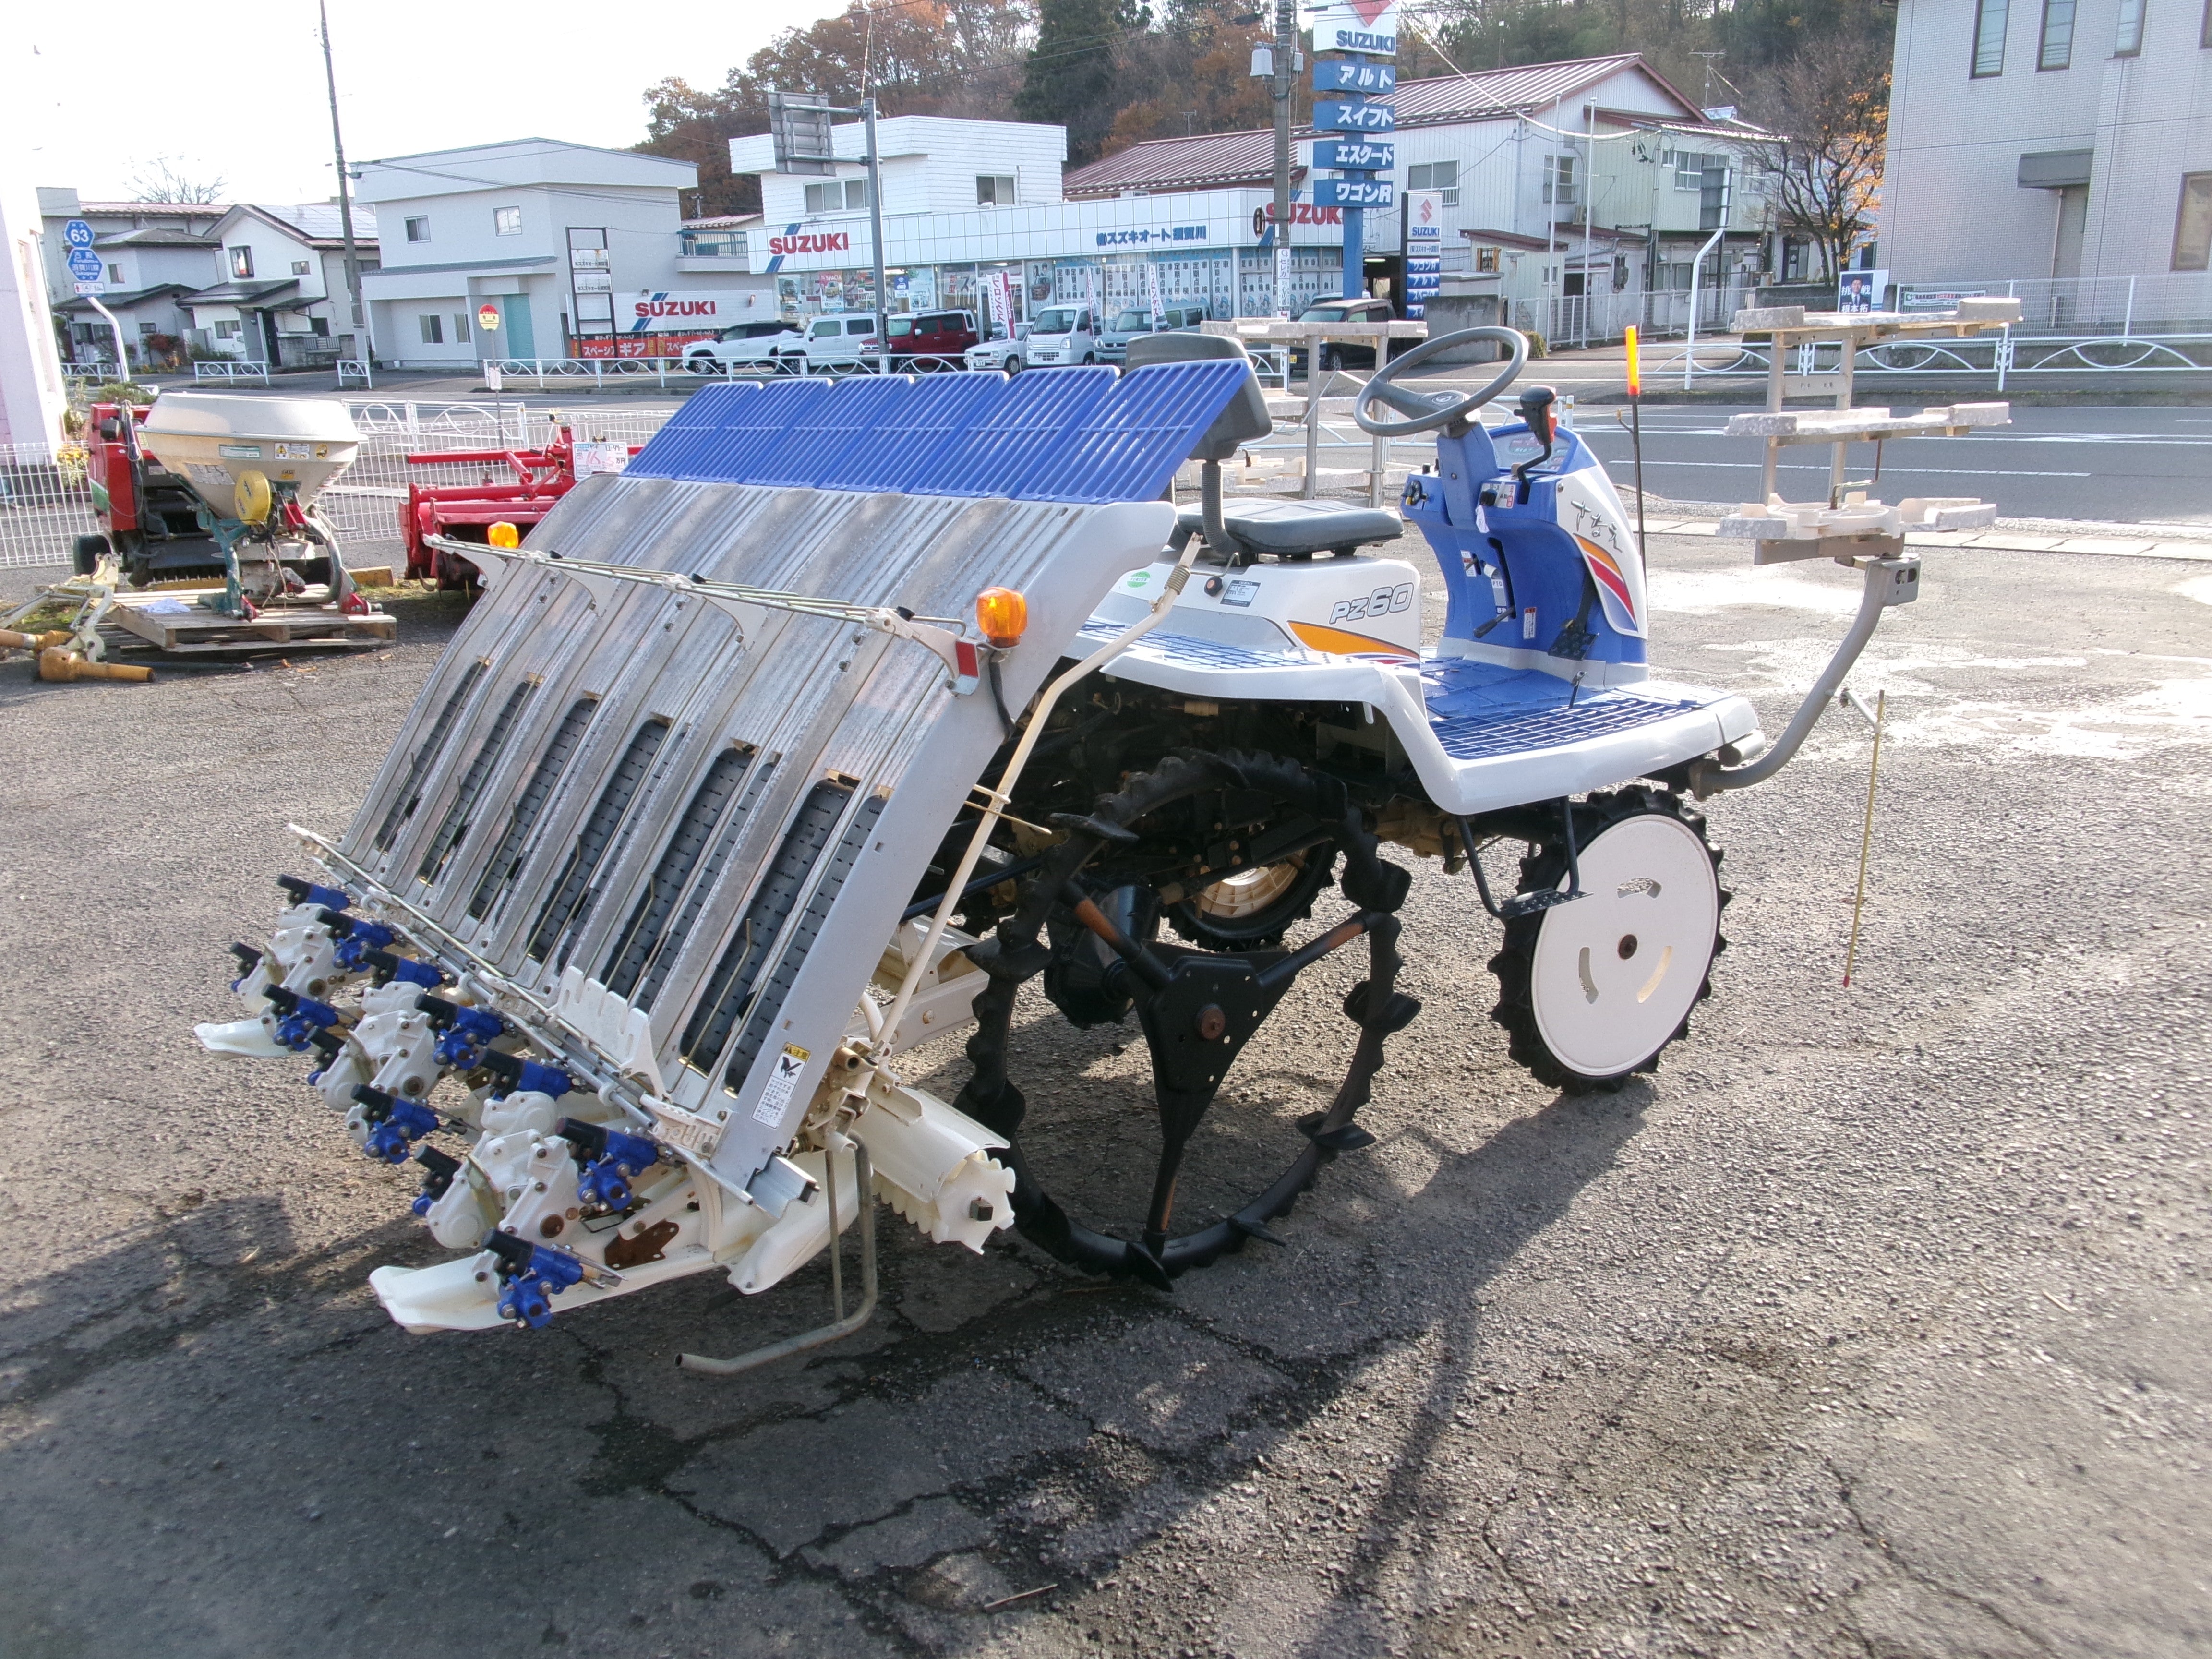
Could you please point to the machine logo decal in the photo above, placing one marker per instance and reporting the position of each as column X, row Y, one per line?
column 1612, row 586
column 1337, row 642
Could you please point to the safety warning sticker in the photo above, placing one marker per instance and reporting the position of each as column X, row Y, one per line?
column 780, row 1083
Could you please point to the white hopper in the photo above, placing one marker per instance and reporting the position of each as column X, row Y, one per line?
column 212, row 440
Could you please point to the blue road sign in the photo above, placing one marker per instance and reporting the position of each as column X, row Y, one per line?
column 77, row 234
column 1355, row 193
column 84, row 265
column 1332, row 115
column 1350, row 74
column 1354, row 155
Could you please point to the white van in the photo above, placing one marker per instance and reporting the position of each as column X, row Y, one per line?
column 1063, row 334
column 843, row 340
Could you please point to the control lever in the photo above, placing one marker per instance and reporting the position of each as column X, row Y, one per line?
column 1536, row 402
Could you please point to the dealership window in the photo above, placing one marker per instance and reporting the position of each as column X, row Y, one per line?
column 434, row 328
column 1989, row 37
column 460, row 328
column 2192, row 224
column 418, row 230
column 837, row 194
column 994, row 190
column 241, row 262
column 1435, row 175
column 2057, row 50
column 506, row 222
column 1559, row 180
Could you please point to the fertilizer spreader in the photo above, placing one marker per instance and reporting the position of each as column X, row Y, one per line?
column 850, row 710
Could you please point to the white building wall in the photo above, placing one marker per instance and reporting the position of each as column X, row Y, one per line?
column 929, row 165
column 1954, row 208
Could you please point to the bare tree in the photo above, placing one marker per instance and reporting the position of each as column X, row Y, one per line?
column 1828, row 106
column 158, row 180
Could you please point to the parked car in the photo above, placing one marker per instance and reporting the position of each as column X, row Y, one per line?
column 999, row 352
column 1113, row 343
column 939, row 339
column 1063, row 334
column 1345, row 353
column 744, row 347
column 844, row 340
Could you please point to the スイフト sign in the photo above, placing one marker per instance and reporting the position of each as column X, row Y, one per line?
column 1334, row 115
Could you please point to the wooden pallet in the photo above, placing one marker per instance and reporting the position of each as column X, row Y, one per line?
column 170, row 620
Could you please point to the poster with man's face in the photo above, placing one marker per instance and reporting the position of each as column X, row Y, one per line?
column 1862, row 290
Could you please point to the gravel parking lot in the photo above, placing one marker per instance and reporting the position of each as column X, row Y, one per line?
column 1877, row 1323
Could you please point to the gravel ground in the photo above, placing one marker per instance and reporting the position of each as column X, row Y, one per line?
column 1877, row 1323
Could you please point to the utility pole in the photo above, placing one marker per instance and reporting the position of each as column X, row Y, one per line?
column 1286, row 46
column 876, row 237
column 362, row 343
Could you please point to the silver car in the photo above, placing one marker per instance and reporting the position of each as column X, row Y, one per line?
column 1113, row 343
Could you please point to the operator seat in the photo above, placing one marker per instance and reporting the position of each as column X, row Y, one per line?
column 1266, row 529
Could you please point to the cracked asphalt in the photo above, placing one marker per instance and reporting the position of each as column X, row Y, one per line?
column 1877, row 1323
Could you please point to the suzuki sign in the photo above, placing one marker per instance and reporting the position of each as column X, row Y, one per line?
column 652, row 311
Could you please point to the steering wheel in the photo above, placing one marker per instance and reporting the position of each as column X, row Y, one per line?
column 1430, row 410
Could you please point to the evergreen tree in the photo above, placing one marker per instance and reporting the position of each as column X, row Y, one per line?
column 1070, row 75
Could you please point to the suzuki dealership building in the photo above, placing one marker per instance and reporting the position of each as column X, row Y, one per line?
column 966, row 200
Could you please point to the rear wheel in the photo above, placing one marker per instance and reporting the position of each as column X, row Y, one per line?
column 1255, row 908
column 1591, row 991
column 86, row 555
column 1013, row 365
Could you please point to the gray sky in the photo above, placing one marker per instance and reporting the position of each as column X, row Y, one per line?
column 237, row 91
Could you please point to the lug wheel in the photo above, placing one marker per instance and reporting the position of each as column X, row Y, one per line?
column 1255, row 907
column 1592, row 990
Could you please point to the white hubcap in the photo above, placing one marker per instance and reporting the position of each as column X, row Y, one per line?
column 1617, row 970
column 1249, row 891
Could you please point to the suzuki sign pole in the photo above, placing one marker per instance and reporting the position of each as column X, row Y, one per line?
column 1365, row 31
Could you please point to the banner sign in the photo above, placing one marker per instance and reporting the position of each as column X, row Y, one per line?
column 1333, row 115
column 1354, row 155
column 652, row 311
column 1862, row 290
column 1350, row 74
column 1355, row 193
column 1366, row 26
column 1153, row 291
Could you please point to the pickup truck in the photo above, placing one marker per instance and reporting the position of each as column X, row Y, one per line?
column 1113, row 345
column 1059, row 335
column 745, row 346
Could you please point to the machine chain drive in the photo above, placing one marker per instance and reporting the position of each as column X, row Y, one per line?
column 1198, row 1008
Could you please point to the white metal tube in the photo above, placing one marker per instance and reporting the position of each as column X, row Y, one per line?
column 1053, row 693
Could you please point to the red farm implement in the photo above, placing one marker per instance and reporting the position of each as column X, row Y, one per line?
column 467, row 512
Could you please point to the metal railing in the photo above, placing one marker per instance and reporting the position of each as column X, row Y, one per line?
column 568, row 372
column 45, row 504
column 230, row 371
column 2002, row 357
column 356, row 368
column 2156, row 303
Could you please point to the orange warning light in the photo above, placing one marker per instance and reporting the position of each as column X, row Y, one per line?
column 1635, row 368
column 1002, row 614
column 503, row 534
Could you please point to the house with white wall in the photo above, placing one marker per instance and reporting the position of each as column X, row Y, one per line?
column 529, row 248
column 2052, row 139
column 279, row 296
column 153, row 254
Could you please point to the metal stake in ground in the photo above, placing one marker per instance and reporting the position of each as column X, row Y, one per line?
column 1866, row 836
column 1635, row 437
